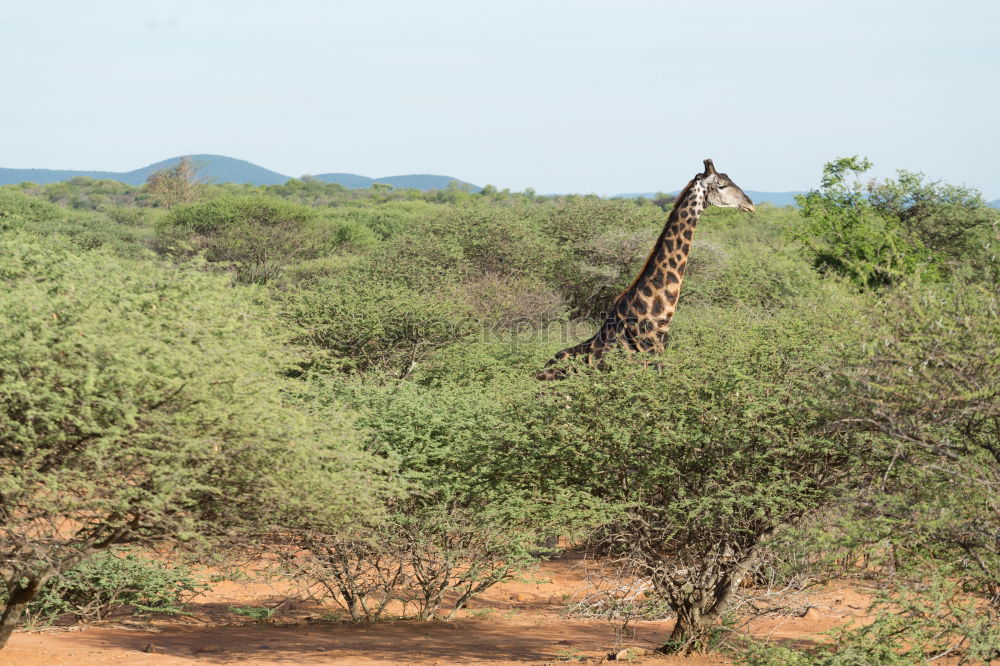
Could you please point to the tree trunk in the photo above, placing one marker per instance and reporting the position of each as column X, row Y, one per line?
column 18, row 597
column 698, row 612
column 691, row 632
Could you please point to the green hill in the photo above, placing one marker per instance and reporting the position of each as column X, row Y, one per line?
column 211, row 168
column 222, row 169
column 417, row 181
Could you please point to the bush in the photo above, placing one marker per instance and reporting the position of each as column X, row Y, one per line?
column 883, row 233
column 424, row 553
column 152, row 400
column 372, row 327
column 388, row 219
column 460, row 243
column 707, row 457
column 753, row 276
column 505, row 304
column 953, row 221
column 258, row 235
column 107, row 581
column 21, row 211
column 85, row 229
column 910, row 628
column 471, row 516
column 603, row 245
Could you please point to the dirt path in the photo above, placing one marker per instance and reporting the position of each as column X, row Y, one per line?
column 514, row 623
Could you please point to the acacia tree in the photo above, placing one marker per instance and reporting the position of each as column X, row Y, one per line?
column 175, row 185
column 886, row 232
column 931, row 386
column 141, row 403
column 706, row 458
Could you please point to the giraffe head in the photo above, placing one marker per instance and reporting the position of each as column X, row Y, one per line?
column 720, row 190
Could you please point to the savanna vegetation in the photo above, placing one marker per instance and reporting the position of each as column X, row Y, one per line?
column 340, row 384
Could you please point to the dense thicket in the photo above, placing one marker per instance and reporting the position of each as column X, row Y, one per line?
column 140, row 402
column 828, row 394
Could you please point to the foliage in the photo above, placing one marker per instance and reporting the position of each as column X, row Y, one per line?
column 802, row 424
column 141, row 402
column 605, row 242
column 883, row 232
column 924, row 520
column 845, row 234
column 463, row 242
column 255, row 613
column 20, row 211
column 952, row 220
column 387, row 220
column 175, row 185
column 738, row 449
column 125, row 235
column 465, row 522
column 258, row 235
column 931, row 387
column 374, row 327
column 109, row 580
column 910, row 627
column 751, row 276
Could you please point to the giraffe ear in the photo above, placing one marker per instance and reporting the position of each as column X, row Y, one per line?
column 709, row 168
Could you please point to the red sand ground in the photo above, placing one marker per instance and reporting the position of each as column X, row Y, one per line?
column 513, row 623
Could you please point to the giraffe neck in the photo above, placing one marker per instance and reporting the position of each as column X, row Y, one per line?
column 656, row 289
column 640, row 317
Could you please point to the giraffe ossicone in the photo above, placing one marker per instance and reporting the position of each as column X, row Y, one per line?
column 639, row 318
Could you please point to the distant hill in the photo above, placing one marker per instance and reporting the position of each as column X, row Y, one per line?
column 773, row 198
column 995, row 203
column 417, row 181
column 222, row 169
column 211, row 168
column 349, row 180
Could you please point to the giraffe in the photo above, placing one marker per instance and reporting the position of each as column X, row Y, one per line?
column 640, row 317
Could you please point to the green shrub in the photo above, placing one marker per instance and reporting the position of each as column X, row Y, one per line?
column 84, row 228
column 708, row 456
column 752, row 276
column 464, row 242
column 21, row 211
column 388, row 219
column 255, row 613
column 602, row 246
column 306, row 274
column 258, row 235
column 505, row 304
column 82, row 193
column 373, row 327
column 467, row 521
column 152, row 400
column 349, row 234
column 954, row 222
column 882, row 233
column 107, row 581
column 219, row 215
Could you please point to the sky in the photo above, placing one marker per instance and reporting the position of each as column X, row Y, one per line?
column 557, row 95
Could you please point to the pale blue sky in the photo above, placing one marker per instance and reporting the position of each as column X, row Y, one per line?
column 559, row 95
